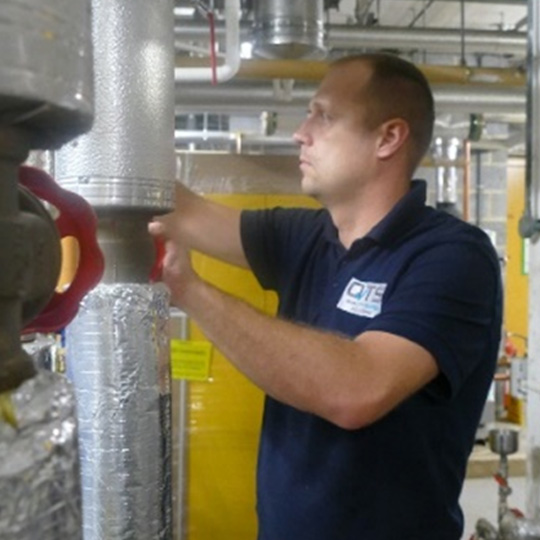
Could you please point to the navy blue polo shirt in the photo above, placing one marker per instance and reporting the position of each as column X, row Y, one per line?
column 420, row 274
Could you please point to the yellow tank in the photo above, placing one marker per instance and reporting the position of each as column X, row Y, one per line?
column 225, row 411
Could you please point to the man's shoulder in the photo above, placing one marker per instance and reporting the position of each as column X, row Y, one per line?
column 442, row 226
column 446, row 232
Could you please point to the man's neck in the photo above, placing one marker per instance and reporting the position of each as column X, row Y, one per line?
column 355, row 217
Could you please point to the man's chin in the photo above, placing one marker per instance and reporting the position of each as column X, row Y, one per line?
column 308, row 188
column 310, row 191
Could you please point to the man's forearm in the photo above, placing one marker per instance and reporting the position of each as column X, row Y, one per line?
column 306, row 368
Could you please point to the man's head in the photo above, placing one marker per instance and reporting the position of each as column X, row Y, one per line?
column 368, row 125
column 395, row 89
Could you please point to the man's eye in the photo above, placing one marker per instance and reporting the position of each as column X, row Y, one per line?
column 317, row 114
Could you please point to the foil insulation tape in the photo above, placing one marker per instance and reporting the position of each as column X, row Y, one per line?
column 117, row 354
column 127, row 159
column 39, row 463
column 46, row 80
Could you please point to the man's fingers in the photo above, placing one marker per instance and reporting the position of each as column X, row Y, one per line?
column 157, row 228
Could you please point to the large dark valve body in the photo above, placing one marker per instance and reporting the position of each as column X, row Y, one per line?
column 42, row 242
column 46, row 98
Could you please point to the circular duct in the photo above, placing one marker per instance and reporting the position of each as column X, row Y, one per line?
column 46, row 68
column 285, row 29
column 127, row 159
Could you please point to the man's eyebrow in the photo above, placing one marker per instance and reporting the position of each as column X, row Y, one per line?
column 319, row 103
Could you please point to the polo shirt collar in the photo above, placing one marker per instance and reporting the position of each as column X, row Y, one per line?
column 403, row 215
column 398, row 221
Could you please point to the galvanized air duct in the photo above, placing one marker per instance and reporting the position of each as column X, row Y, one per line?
column 285, row 29
column 433, row 40
column 117, row 347
column 46, row 98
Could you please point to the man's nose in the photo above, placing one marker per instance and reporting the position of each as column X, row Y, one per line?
column 301, row 136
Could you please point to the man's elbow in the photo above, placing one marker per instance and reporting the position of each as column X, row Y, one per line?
column 353, row 415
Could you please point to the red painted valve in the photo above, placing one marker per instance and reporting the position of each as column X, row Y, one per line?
column 76, row 219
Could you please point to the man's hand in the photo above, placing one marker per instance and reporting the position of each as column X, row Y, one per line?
column 177, row 272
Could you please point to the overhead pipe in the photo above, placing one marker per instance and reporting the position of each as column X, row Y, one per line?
column 228, row 69
column 252, row 98
column 235, row 142
column 345, row 36
column 505, row 2
column 285, row 29
column 316, row 70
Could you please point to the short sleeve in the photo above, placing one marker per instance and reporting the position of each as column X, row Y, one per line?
column 448, row 301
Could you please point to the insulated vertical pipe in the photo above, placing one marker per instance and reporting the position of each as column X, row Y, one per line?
column 180, row 396
column 533, row 174
column 117, row 347
column 117, row 350
column 127, row 159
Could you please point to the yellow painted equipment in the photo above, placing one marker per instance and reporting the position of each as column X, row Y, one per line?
column 225, row 411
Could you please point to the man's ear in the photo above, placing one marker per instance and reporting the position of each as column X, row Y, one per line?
column 392, row 136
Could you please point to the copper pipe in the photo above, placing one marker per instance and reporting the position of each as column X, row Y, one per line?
column 466, row 178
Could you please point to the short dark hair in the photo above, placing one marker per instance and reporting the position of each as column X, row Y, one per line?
column 397, row 89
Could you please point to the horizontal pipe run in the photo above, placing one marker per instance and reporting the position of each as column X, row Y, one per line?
column 251, row 98
column 344, row 36
column 315, row 71
column 238, row 139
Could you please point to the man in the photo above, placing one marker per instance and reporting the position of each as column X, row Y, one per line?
column 378, row 366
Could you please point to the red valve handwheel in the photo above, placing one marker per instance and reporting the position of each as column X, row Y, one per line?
column 76, row 219
column 157, row 268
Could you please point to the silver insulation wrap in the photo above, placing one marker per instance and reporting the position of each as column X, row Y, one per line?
column 39, row 463
column 46, row 67
column 127, row 160
column 118, row 359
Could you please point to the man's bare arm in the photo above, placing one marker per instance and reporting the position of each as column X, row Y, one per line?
column 203, row 225
column 350, row 383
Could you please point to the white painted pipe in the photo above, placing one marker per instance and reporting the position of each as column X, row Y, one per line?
column 347, row 36
column 231, row 65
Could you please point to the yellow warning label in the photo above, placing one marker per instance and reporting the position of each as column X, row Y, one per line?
column 190, row 360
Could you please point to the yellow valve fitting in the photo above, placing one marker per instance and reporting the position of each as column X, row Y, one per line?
column 7, row 412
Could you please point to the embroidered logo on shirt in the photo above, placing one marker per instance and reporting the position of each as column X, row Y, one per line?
column 362, row 298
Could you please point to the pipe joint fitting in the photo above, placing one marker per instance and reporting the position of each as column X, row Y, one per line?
column 31, row 255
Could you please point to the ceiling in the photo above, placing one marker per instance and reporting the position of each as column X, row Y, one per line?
column 242, row 101
column 480, row 14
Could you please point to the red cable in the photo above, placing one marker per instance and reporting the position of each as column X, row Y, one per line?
column 213, row 63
